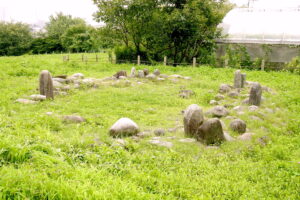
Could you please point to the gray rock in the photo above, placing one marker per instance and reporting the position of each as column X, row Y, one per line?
column 120, row 73
column 77, row 76
column 228, row 137
column 161, row 143
column 255, row 94
column 151, row 76
column 238, row 79
column 122, row 77
column 144, row 134
column 253, row 108
column 245, row 101
column 186, row 93
column 244, row 77
column 219, row 97
column 187, row 78
column 60, row 80
column 38, row 97
column 161, row 79
column 146, row 72
column 266, row 89
column 57, row 84
column 238, row 126
column 66, row 88
column 224, row 88
column 246, row 137
column 163, row 76
column 156, row 72
column 175, row 76
column 187, row 140
column 160, row 132
column 211, row 132
column 193, row 118
column 141, row 74
column 238, row 108
column 219, row 111
column 73, row 119
column 26, row 101
column 233, row 94
column 124, row 127
column 213, row 102
column 133, row 72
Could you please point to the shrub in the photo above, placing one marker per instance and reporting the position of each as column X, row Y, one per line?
column 294, row 65
column 128, row 54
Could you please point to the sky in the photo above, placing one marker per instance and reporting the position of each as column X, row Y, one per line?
column 34, row 11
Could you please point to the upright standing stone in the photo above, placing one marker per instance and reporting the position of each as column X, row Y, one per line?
column 133, row 72
column 211, row 132
column 46, row 84
column 141, row 74
column 255, row 94
column 193, row 118
column 156, row 72
column 146, row 72
column 244, row 78
column 238, row 79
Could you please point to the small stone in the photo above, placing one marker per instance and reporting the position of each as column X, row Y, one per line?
column 120, row 73
column 49, row 113
column 37, row 97
column 156, row 72
column 73, row 119
column 187, row 78
column 224, row 88
column 151, row 76
column 253, row 108
column 175, row 76
column 228, row 137
column 186, row 93
column 146, row 72
column 219, row 111
column 187, row 140
column 238, row 126
column 233, row 94
column 161, row 79
column 245, row 101
column 213, row 102
column 161, row 143
column 238, row 108
column 160, row 132
column 124, row 127
column 60, row 80
column 122, row 77
column 219, row 97
column 246, row 137
column 144, row 134
column 269, row 110
column 66, row 88
column 255, row 118
column 263, row 140
column 26, row 101
column 163, row 76
column 78, row 76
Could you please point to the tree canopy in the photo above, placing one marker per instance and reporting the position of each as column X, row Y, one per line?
column 179, row 29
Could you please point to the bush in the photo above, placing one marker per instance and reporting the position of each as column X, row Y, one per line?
column 128, row 54
column 294, row 65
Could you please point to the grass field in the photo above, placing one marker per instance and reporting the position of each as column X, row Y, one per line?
column 42, row 157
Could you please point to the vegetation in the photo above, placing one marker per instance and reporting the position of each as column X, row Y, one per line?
column 43, row 158
column 187, row 29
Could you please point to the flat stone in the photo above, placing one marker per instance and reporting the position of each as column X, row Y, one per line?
column 187, row 78
column 161, row 143
column 233, row 94
column 26, row 101
column 78, row 76
column 60, row 80
column 228, row 137
column 219, row 97
column 160, row 132
column 187, row 140
column 73, row 119
column 57, row 84
column 161, row 79
column 175, row 76
column 38, row 97
column 253, row 108
column 151, row 76
column 246, row 137
column 213, row 102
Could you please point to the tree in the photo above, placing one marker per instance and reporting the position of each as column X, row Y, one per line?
column 15, row 38
column 179, row 29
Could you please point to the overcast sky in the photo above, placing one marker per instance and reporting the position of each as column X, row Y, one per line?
column 33, row 11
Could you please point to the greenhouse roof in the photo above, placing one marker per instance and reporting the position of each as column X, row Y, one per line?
column 262, row 26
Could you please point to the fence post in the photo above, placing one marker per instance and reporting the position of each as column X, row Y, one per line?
column 263, row 65
column 139, row 60
column 194, row 62
column 165, row 60
column 96, row 57
column 82, row 57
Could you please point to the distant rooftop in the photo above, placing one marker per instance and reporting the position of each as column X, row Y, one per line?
column 262, row 26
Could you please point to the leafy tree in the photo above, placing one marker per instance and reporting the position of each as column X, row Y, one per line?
column 180, row 29
column 15, row 38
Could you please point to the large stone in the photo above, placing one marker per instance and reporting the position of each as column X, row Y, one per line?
column 151, row 76
column 133, row 72
column 255, row 94
column 26, row 101
column 224, row 88
column 156, row 72
column 219, row 111
column 238, row 79
column 211, row 132
column 238, row 126
column 46, row 84
column 61, row 80
column 193, row 118
column 244, row 77
column 124, row 127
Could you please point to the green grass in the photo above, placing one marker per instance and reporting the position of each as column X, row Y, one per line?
column 43, row 158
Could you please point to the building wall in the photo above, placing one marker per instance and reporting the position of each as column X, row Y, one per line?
column 279, row 53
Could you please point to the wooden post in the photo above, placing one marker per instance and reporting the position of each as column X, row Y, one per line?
column 194, row 62
column 82, row 57
column 139, row 60
column 96, row 57
column 263, row 65
column 165, row 61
